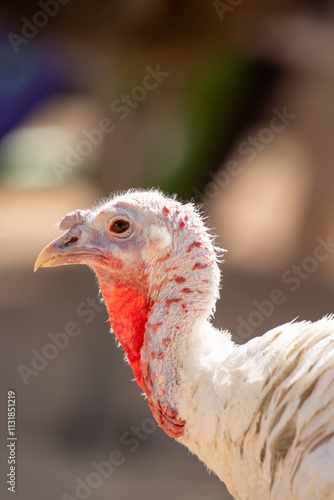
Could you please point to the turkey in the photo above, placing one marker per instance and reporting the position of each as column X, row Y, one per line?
column 259, row 415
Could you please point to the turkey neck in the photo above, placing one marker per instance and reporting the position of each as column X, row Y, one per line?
column 150, row 332
column 183, row 297
column 166, row 337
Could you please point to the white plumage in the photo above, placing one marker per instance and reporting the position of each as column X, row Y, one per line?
column 260, row 415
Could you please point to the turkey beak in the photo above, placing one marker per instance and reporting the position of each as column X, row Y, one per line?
column 67, row 249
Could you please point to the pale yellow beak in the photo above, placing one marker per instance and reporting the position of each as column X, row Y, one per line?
column 74, row 247
column 48, row 256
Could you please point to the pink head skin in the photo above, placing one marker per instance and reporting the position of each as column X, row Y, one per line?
column 157, row 271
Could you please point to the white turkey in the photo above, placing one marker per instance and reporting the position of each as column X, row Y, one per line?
column 260, row 415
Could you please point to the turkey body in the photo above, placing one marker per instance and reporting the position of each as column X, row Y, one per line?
column 259, row 415
column 263, row 420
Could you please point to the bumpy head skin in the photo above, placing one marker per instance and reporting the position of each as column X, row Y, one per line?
column 158, row 274
column 163, row 236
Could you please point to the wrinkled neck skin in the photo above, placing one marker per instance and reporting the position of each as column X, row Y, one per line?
column 164, row 329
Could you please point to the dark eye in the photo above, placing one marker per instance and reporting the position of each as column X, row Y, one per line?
column 119, row 226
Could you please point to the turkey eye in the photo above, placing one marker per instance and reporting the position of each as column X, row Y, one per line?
column 119, row 226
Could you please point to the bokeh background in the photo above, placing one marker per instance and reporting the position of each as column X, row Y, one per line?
column 229, row 103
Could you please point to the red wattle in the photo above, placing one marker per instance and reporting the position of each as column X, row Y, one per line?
column 128, row 310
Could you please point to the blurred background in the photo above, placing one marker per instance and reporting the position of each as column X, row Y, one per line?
column 229, row 103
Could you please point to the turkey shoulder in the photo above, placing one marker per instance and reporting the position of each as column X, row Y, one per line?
column 262, row 417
